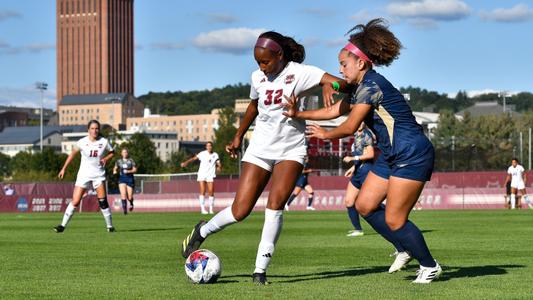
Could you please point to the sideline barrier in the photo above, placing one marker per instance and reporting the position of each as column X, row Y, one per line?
column 459, row 190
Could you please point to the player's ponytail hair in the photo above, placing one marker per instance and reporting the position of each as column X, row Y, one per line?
column 376, row 41
column 93, row 122
column 292, row 51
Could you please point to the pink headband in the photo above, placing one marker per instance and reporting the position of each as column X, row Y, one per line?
column 268, row 44
column 353, row 49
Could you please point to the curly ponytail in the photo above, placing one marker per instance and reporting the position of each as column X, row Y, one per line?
column 376, row 41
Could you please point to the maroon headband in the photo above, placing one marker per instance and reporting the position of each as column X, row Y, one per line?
column 268, row 44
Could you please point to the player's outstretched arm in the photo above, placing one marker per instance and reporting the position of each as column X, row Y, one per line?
column 338, row 109
column 67, row 162
column 249, row 116
column 332, row 85
column 188, row 161
column 347, row 128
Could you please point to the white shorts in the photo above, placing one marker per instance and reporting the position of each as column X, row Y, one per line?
column 86, row 182
column 268, row 164
column 206, row 178
column 518, row 185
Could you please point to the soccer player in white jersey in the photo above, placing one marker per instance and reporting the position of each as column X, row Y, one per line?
column 209, row 166
column 277, row 148
column 95, row 151
column 516, row 174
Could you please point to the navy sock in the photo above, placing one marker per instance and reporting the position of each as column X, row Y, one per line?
column 124, row 204
column 310, row 199
column 291, row 198
column 376, row 219
column 412, row 239
column 354, row 218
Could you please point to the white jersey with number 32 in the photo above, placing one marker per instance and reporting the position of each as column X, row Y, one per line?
column 91, row 153
column 276, row 136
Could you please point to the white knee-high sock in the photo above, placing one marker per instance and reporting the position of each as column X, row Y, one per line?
column 218, row 222
column 269, row 237
column 513, row 201
column 201, row 199
column 69, row 212
column 107, row 217
column 211, row 202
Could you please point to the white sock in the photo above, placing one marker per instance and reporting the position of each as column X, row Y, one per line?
column 526, row 199
column 201, row 198
column 513, row 201
column 218, row 222
column 269, row 237
column 107, row 217
column 69, row 212
column 211, row 202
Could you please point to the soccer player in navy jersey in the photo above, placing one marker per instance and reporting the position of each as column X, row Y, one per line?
column 407, row 156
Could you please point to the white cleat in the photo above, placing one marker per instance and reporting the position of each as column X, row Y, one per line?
column 204, row 211
column 401, row 260
column 211, row 210
column 286, row 207
column 427, row 275
column 310, row 208
column 356, row 233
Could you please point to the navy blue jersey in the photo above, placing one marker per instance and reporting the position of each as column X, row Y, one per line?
column 123, row 165
column 399, row 136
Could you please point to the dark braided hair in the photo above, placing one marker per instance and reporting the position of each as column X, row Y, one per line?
column 376, row 41
column 292, row 51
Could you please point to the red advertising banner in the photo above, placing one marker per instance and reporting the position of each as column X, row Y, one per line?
column 34, row 203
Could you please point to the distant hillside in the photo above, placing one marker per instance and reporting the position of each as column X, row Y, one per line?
column 194, row 102
column 202, row 102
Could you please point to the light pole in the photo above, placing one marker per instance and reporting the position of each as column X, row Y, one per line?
column 42, row 86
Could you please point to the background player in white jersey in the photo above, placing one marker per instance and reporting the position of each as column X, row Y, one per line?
column 517, row 176
column 277, row 148
column 95, row 151
column 209, row 166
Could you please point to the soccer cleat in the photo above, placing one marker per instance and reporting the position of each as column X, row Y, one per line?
column 111, row 229
column 58, row 229
column 211, row 210
column 131, row 206
column 310, row 208
column 260, row 278
column 193, row 241
column 401, row 260
column 203, row 211
column 356, row 233
column 427, row 275
column 286, row 207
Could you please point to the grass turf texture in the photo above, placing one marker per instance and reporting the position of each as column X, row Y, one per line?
column 484, row 254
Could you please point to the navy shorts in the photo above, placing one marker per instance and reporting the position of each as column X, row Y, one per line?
column 416, row 163
column 302, row 181
column 360, row 175
column 129, row 181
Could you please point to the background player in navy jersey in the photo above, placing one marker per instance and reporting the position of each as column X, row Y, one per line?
column 126, row 167
column 303, row 183
column 407, row 156
column 277, row 147
column 362, row 158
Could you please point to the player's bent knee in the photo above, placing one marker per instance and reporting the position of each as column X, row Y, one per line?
column 239, row 213
column 363, row 209
column 102, row 202
column 394, row 224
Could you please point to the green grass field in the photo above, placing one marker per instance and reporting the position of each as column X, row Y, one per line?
column 484, row 254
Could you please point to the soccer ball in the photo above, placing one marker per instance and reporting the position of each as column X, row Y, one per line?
column 203, row 266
